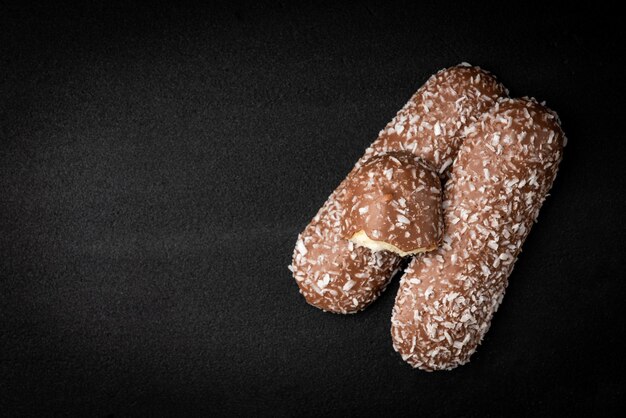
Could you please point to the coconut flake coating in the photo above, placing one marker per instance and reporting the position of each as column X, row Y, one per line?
column 335, row 275
column 499, row 181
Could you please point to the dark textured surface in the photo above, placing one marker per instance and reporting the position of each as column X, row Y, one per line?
column 157, row 164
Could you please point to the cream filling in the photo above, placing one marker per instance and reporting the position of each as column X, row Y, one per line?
column 361, row 238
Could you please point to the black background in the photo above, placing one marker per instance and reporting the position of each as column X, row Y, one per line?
column 157, row 164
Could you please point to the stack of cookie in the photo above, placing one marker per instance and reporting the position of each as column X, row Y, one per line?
column 496, row 158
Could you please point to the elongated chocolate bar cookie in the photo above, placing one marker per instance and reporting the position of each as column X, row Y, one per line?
column 501, row 176
column 332, row 272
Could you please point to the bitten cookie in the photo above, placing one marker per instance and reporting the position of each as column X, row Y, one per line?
column 332, row 272
column 395, row 205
